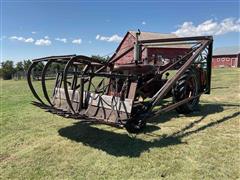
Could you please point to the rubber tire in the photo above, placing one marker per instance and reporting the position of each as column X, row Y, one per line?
column 179, row 92
column 135, row 126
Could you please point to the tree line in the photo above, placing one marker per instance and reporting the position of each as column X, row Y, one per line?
column 8, row 69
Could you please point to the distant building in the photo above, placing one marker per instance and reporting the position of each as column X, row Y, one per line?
column 155, row 55
column 226, row 57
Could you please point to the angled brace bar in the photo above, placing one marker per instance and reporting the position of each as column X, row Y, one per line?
column 112, row 60
column 169, row 84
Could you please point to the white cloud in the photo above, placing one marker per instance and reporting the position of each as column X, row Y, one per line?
column 77, row 41
column 22, row 39
column 29, row 40
column 43, row 42
column 209, row 27
column 33, row 32
column 64, row 40
column 144, row 23
column 113, row 38
column 16, row 38
column 46, row 37
column 98, row 36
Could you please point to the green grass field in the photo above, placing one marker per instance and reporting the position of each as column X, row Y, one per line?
column 204, row 145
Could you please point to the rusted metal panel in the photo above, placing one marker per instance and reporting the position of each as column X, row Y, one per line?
column 132, row 90
column 111, row 102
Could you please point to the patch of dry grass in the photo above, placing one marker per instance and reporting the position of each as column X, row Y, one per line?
column 203, row 145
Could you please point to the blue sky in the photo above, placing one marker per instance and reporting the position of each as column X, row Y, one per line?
column 31, row 29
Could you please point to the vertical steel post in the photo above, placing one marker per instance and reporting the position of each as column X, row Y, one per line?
column 81, row 93
column 137, row 47
column 209, row 67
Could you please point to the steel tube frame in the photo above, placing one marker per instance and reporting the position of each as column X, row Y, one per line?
column 196, row 38
column 69, row 60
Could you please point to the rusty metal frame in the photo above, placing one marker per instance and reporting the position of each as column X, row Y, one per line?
column 201, row 43
column 204, row 41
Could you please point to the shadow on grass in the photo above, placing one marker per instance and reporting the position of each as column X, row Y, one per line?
column 123, row 145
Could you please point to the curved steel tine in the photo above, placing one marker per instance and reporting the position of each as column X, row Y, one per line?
column 82, row 59
column 30, row 82
column 65, row 85
column 44, row 80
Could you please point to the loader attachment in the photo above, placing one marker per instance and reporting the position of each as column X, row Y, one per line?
column 123, row 95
